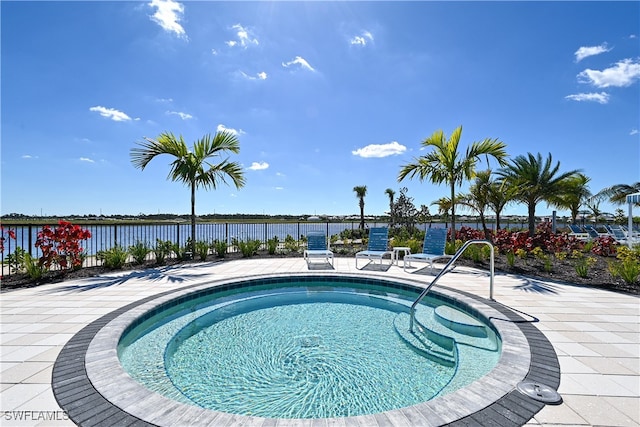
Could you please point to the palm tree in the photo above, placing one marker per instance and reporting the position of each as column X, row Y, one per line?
column 444, row 207
column 618, row 193
column 575, row 194
column 533, row 181
column 361, row 191
column 389, row 192
column 193, row 167
column 498, row 197
column 478, row 198
column 445, row 164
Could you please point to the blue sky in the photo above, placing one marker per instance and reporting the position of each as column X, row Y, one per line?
column 324, row 96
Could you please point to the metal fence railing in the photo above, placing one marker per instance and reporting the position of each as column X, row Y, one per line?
column 105, row 236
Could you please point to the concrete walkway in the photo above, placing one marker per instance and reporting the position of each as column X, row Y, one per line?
column 595, row 333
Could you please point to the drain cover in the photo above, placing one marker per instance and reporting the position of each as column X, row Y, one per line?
column 539, row 391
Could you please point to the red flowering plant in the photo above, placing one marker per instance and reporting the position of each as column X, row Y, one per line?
column 467, row 233
column 61, row 245
column 604, row 246
column 11, row 234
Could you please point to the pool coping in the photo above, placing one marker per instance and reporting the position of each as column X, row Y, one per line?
column 89, row 383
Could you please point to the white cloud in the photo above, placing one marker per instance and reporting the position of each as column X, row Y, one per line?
column 29, row 156
column 633, row 36
column 622, row 74
column 362, row 39
column 86, row 159
column 298, row 61
column 214, row 52
column 586, row 51
column 602, row 97
column 168, row 15
column 278, row 188
column 183, row 116
column 111, row 113
column 380, row 150
column 633, row 132
column 164, row 100
column 245, row 39
column 258, row 166
column 223, row 128
column 259, row 76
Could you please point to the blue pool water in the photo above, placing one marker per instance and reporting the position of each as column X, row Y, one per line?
column 304, row 350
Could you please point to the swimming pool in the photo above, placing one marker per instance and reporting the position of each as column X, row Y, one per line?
column 90, row 383
column 320, row 348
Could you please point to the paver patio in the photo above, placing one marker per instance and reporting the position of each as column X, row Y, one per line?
column 595, row 333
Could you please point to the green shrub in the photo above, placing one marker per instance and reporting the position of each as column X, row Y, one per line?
column 272, row 245
column 16, row 260
column 290, row 243
column 247, row 248
column 219, row 247
column 627, row 270
column 139, row 252
column 162, row 250
column 202, row 249
column 113, row 258
column 450, row 248
column 582, row 264
column 182, row 252
column 511, row 258
column 33, row 268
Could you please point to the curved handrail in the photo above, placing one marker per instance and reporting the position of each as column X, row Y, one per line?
column 453, row 259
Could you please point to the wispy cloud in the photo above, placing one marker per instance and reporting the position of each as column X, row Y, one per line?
column 259, row 76
column 183, row 116
column 362, row 39
column 586, row 51
column 300, row 62
column 168, row 15
column 278, row 188
column 258, row 166
column 380, row 150
column 111, row 113
column 633, row 132
column 86, row 160
column 244, row 37
column 214, row 52
column 164, row 100
column 621, row 74
column 602, row 97
column 223, row 128
column 28, row 157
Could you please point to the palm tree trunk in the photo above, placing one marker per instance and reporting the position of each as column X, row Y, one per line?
column 532, row 218
column 487, row 234
column 453, row 213
column 193, row 219
column 362, row 214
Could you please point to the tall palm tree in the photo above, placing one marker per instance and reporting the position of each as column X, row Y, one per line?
column 618, row 193
column 575, row 194
column 445, row 164
column 361, row 191
column 193, row 168
column 533, row 181
column 389, row 192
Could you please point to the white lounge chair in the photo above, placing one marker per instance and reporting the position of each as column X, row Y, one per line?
column 317, row 248
column 433, row 247
column 377, row 247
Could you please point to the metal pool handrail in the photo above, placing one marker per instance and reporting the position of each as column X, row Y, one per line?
column 446, row 268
